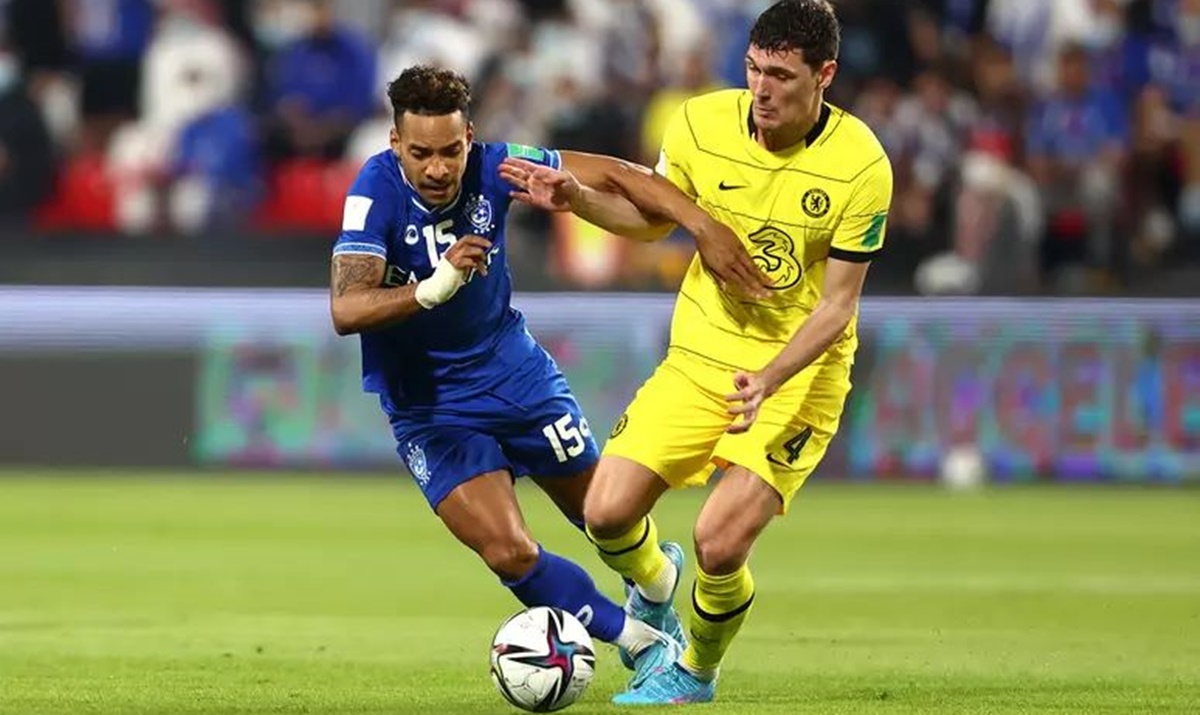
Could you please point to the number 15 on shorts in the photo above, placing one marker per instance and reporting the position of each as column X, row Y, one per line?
column 567, row 439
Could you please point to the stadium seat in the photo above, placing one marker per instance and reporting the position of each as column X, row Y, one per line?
column 83, row 198
column 305, row 195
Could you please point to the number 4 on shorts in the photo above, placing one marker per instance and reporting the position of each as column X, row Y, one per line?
column 792, row 448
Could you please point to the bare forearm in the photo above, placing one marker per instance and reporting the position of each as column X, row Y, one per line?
column 358, row 300
column 657, row 198
column 373, row 308
column 624, row 198
column 616, row 214
column 824, row 326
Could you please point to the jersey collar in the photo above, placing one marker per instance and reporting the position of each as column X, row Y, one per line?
column 809, row 139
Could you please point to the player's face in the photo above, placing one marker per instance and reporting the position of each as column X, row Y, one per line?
column 433, row 153
column 786, row 90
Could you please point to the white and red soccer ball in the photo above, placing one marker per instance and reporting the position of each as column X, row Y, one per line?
column 542, row 659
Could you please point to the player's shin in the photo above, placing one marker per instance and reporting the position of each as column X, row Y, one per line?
column 555, row 581
column 720, row 605
column 636, row 556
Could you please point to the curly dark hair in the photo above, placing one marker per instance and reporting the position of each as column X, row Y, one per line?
column 428, row 90
column 809, row 26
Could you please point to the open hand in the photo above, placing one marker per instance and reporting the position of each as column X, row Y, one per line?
column 726, row 258
column 540, row 186
column 752, row 389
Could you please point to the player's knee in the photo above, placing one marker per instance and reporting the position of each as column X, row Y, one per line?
column 512, row 557
column 607, row 518
column 718, row 551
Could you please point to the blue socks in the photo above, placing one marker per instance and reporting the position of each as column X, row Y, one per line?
column 555, row 581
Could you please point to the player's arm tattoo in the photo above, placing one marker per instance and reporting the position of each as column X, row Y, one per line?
column 358, row 299
column 352, row 272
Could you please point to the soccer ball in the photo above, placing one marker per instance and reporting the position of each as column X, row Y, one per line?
column 542, row 659
column 963, row 468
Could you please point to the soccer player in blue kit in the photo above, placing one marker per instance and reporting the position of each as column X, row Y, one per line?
column 419, row 271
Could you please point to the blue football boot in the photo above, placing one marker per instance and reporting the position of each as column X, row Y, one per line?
column 671, row 685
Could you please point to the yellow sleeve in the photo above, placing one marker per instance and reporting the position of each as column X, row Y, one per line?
column 859, row 235
column 678, row 147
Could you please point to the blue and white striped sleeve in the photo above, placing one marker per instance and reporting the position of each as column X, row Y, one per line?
column 364, row 228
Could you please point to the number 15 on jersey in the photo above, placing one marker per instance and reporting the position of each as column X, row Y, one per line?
column 438, row 239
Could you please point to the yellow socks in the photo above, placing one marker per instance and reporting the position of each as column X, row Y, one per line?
column 719, row 606
column 719, row 603
column 637, row 556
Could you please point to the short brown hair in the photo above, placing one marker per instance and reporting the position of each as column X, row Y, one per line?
column 810, row 26
column 428, row 90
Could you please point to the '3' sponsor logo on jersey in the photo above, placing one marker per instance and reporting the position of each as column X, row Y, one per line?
column 774, row 254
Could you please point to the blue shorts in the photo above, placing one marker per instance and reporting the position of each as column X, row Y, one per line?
column 536, row 429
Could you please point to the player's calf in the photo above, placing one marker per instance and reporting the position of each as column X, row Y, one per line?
column 636, row 555
column 720, row 605
column 617, row 511
column 735, row 514
column 556, row 581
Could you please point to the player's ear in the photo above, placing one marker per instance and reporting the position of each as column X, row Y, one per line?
column 394, row 139
column 470, row 131
column 826, row 74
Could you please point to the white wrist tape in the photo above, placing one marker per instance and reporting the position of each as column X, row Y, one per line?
column 441, row 286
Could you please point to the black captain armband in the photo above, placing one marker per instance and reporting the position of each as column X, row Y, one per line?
column 854, row 256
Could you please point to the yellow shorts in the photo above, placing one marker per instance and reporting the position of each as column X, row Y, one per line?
column 676, row 424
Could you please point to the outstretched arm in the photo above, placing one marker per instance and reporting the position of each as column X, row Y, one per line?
column 631, row 200
column 359, row 301
column 588, row 186
column 624, row 189
column 662, row 206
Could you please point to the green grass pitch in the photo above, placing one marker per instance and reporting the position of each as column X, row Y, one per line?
column 250, row 594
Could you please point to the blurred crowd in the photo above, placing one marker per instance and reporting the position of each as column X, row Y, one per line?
column 1039, row 145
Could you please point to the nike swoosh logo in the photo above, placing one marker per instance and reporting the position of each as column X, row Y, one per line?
column 726, row 187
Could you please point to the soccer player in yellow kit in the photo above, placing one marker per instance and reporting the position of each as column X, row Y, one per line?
column 750, row 384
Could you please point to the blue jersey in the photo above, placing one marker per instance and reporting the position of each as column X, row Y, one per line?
column 465, row 387
column 473, row 341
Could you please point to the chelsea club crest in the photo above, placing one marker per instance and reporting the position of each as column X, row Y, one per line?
column 417, row 464
column 479, row 213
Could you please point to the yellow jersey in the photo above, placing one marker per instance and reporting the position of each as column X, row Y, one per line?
column 828, row 196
